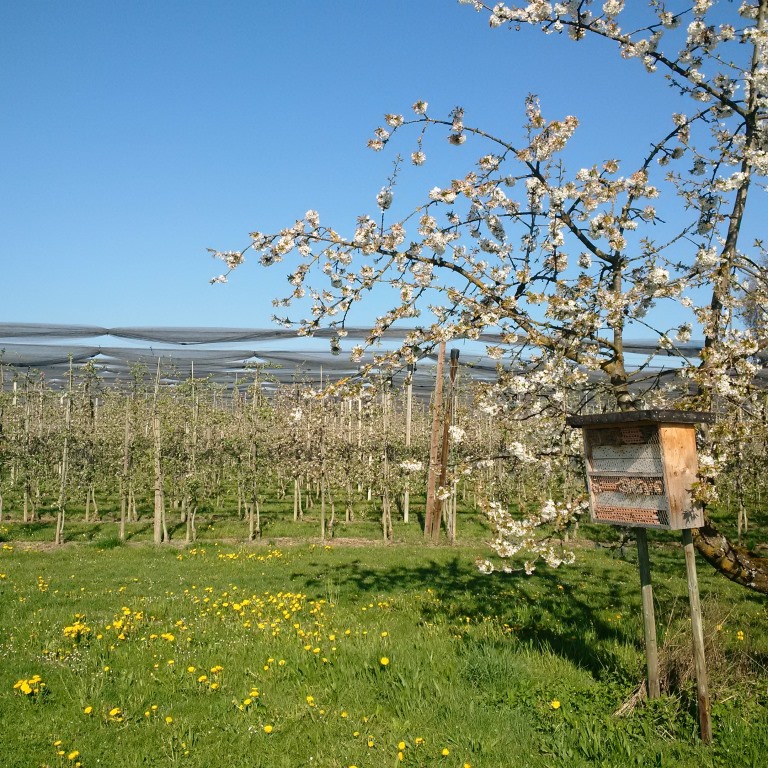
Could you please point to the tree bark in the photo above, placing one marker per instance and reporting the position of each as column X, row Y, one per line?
column 735, row 563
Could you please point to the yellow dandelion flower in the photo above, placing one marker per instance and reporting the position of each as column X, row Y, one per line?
column 445, row 752
column 168, row 719
column 268, row 729
column 555, row 704
column 401, row 746
column 87, row 710
column 384, row 661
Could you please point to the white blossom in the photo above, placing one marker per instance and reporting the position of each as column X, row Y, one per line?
column 384, row 198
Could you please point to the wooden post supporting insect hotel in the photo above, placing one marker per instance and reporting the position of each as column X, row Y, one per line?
column 640, row 469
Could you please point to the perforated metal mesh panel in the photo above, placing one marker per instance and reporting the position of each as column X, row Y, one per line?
column 627, row 458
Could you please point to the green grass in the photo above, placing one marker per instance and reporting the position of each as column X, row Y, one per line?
column 474, row 662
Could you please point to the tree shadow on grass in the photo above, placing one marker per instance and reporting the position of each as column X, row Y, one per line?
column 137, row 530
column 544, row 612
column 33, row 530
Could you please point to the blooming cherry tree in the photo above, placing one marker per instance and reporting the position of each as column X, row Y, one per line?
column 558, row 263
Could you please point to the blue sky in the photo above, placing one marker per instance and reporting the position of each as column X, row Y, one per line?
column 137, row 134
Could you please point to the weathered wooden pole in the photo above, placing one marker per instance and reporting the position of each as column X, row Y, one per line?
column 59, row 536
column 434, row 444
column 159, row 509
column 124, row 484
column 445, row 448
column 408, row 420
column 452, row 508
column 649, row 615
column 386, row 506
column 702, row 687
column 159, row 535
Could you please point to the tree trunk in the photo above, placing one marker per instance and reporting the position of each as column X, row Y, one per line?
column 735, row 563
column 254, row 519
column 191, row 533
column 27, row 516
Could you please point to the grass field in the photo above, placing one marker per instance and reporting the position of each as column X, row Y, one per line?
column 367, row 656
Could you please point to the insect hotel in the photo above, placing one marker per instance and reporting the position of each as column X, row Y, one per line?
column 640, row 467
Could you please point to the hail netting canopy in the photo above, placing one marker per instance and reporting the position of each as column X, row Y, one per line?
column 231, row 355
column 225, row 355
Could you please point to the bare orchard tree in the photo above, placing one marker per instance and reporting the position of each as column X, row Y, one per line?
column 562, row 264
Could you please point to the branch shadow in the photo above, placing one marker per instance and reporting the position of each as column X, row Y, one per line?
column 543, row 613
